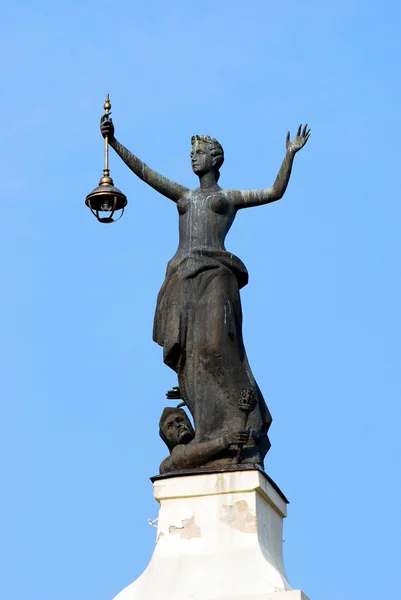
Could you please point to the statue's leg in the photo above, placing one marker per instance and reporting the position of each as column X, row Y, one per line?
column 214, row 371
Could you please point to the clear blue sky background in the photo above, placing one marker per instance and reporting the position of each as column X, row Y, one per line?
column 82, row 382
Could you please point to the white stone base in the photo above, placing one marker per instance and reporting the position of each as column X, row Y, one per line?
column 219, row 537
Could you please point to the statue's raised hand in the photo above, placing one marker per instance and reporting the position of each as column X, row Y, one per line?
column 299, row 141
column 107, row 127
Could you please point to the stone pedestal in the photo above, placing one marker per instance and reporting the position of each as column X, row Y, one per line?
column 219, row 537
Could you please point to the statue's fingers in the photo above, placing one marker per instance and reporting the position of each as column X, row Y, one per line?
column 288, row 137
column 304, row 130
column 299, row 130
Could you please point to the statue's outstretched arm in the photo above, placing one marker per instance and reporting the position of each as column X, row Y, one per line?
column 161, row 184
column 247, row 198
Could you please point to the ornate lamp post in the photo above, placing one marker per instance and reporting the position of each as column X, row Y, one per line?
column 106, row 198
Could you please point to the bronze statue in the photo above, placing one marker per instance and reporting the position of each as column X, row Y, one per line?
column 198, row 319
column 177, row 433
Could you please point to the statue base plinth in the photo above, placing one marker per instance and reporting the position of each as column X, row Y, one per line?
column 219, row 537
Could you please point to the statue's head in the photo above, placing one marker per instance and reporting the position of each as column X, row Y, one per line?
column 175, row 427
column 206, row 155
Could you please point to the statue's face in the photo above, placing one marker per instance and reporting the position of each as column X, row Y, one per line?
column 176, row 429
column 201, row 158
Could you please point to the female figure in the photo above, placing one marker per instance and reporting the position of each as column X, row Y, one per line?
column 198, row 318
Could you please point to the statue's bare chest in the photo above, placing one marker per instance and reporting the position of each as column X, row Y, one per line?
column 200, row 201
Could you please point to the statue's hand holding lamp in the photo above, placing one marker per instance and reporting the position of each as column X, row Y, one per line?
column 106, row 198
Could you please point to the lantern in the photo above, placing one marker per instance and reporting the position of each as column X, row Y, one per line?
column 106, row 198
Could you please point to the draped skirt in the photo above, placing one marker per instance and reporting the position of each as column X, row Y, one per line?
column 198, row 321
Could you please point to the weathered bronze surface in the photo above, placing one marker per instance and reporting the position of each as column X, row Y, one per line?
column 198, row 319
column 186, row 453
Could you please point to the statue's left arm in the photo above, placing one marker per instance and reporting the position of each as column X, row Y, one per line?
column 248, row 198
column 195, row 454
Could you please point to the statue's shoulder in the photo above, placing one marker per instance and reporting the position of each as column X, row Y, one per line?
column 166, row 466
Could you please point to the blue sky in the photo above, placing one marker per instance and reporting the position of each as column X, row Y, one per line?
column 82, row 382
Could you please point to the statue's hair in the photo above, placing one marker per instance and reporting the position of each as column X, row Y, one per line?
column 166, row 413
column 216, row 149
